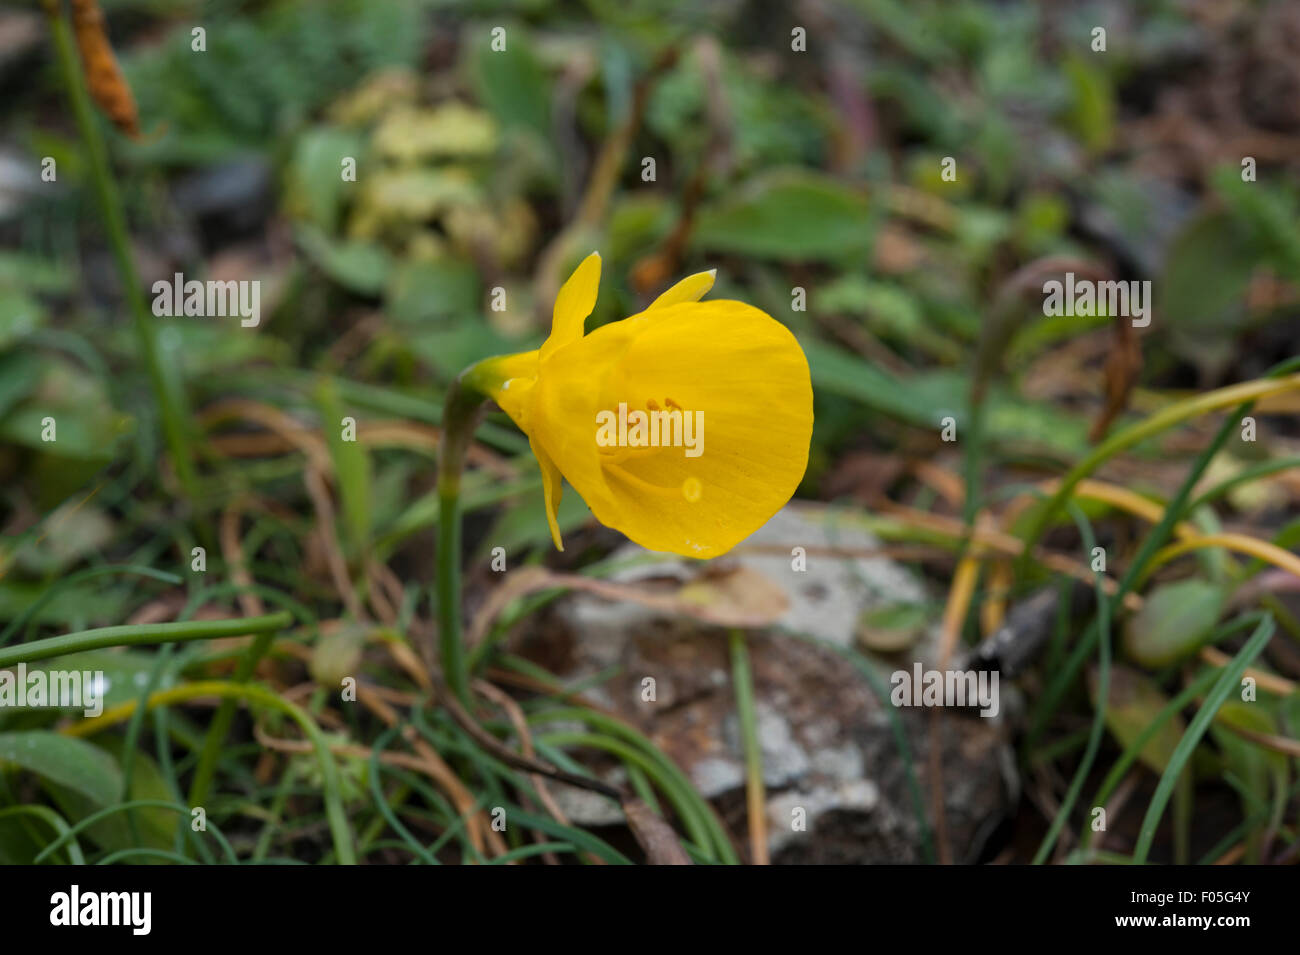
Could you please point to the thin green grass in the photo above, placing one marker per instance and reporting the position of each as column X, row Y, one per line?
column 1097, row 730
column 1155, row 539
column 1229, row 679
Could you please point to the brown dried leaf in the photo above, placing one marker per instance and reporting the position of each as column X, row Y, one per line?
column 723, row 597
column 736, row 597
column 1123, row 364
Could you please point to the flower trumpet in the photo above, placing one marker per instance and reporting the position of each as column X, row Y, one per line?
column 685, row 427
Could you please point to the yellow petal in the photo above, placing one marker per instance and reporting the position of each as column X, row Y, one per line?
column 513, row 397
column 738, row 368
column 562, row 411
column 574, row 303
column 552, row 489
column 690, row 289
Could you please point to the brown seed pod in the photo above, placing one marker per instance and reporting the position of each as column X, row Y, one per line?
column 108, row 87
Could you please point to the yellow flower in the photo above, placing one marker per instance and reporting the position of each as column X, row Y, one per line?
column 686, row 426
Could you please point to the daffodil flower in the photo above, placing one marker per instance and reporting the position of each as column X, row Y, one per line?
column 741, row 375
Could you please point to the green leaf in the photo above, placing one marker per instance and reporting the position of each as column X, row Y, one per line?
column 636, row 223
column 73, row 531
column 451, row 349
column 20, row 315
column 1207, row 269
column 124, row 672
column 893, row 627
column 420, row 292
column 34, row 273
column 511, row 82
column 65, row 762
column 1245, row 753
column 890, row 310
column 924, row 399
column 525, row 525
column 352, row 469
column 1269, row 211
column 17, row 844
column 1134, row 702
column 86, row 426
column 315, row 182
column 201, row 348
column 79, row 605
column 19, row 376
column 791, row 215
column 919, row 400
column 1174, row 622
column 358, row 265
column 156, row 827
column 1091, row 113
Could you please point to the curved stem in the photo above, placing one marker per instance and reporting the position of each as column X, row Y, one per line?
column 56, row 822
column 1243, row 543
column 460, row 416
column 131, row 634
column 1122, row 440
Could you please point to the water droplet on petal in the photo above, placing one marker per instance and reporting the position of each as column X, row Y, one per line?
column 692, row 489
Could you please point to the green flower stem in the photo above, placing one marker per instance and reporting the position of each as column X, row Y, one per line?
column 133, row 634
column 460, row 416
column 755, row 796
column 170, row 399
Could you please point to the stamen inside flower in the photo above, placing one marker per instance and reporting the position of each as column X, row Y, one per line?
column 615, row 453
